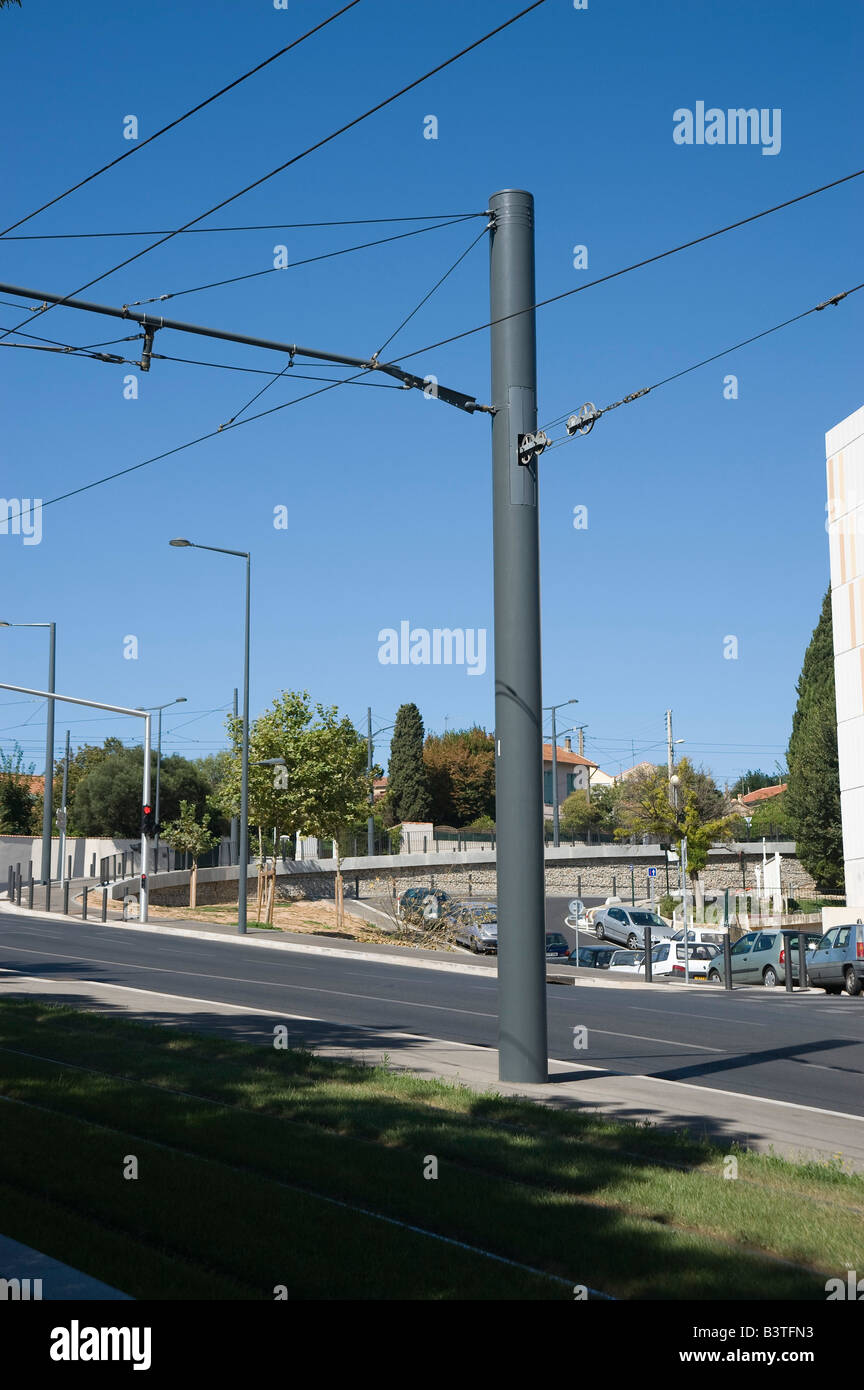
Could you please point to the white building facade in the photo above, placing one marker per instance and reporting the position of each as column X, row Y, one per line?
column 844, row 446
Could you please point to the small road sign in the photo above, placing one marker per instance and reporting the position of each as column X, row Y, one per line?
column 652, row 873
column 61, row 820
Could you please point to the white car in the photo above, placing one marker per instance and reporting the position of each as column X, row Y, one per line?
column 702, row 936
column 626, row 962
column 667, row 958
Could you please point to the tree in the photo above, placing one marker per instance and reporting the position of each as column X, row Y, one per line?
column 107, row 800
column 189, row 836
column 813, row 792
column 336, row 761
column 408, row 797
column 579, row 816
column 81, row 762
column 643, row 807
column 17, row 802
column 320, row 787
column 460, row 770
column 771, row 818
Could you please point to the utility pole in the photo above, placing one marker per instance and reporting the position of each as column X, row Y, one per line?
column 370, row 823
column 522, row 1040
column 61, row 819
column 235, row 823
column 670, row 757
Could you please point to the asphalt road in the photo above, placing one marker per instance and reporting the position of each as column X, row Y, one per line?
column 804, row 1048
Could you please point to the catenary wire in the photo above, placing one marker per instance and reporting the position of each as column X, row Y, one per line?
column 637, row 265
column 310, row 149
column 675, row 376
column 179, row 119
column 256, row 227
column 292, row 265
column 430, row 293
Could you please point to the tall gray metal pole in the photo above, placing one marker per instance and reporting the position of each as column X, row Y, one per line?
column 522, row 1044
column 61, row 865
column 48, row 797
column 242, row 870
column 235, row 847
column 370, row 823
column 556, row 839
column 158, row 784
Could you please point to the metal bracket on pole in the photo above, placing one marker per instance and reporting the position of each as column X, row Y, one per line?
column 147, row 350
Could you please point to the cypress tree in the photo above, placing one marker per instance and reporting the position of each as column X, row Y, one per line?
column 408, row 784
column 813, row 795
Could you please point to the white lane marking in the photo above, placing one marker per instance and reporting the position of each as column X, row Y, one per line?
column 638, row 1037
column 555, row 1063
column 242, row 980
column 242, row 1008
column 694, row 1018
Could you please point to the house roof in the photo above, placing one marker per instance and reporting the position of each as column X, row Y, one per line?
column 638, row 767
column 563, row 756
column 761, row 794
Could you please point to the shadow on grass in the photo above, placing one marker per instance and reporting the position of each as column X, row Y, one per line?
column 248, row 1140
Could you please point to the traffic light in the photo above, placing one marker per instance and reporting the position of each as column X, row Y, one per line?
column 148, row 821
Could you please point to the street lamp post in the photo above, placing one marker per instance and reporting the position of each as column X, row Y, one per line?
column 48, row 794
column 181, row 700
column 555, row 826
column 242, row 868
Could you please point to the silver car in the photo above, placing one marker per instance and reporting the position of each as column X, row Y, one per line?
column 628, row 924
column 475, row 925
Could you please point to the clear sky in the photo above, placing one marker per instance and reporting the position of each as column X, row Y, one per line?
column 705, row 514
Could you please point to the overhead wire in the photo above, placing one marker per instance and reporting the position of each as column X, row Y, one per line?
column 292, row 265
column 140, row 145
column 255, row 227
column 310, row 149
column 430, row 293
column 637, row 265
column 675, row 376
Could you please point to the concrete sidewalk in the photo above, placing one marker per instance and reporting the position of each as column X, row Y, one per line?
column 34, row 1277
column 725, row 1117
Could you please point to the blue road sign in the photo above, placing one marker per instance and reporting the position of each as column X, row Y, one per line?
column 652, row 873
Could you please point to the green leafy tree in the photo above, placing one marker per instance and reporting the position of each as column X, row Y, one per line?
column 188, row 835
column 408, row 796
column 320, row 787
column 813, row 791
column 579, row 816
column 771, row 818
column 18, row 805
column 643, row 806
column 460, row 770
column 107, row 799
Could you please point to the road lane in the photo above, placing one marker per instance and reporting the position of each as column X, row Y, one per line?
column 805, row 1048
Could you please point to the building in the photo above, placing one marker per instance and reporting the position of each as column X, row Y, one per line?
column 575, row 773
column 762, row 794
column 844, row 448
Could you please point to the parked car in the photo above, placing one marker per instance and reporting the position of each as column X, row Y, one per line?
column 627, row 925
column 422, row 904
column 475, row 925
column 591, row 957
column 837, row 960
column 759, row 957
column 667, row 958
column 702, row 936
column 557, row 944
column 626, row 962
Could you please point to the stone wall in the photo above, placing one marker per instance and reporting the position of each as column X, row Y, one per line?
column 594, row 872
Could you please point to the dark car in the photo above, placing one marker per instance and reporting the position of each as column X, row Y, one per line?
column 837, row 962
column 557, row 944
column 593, row 957
column 422, row 904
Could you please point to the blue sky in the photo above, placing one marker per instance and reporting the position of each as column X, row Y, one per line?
column 705, row 515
